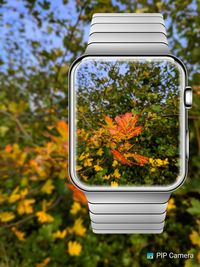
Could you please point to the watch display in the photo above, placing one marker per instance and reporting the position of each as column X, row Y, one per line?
column 126, row 117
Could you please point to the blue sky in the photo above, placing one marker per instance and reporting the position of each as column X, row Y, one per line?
column 10, row 25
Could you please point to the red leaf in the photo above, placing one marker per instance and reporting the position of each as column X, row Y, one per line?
column 121, row 158
column 142, row 160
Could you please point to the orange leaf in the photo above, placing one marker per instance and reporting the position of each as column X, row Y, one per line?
column 109, row 121
column 62, row 128
column 121, row 158
column 140, row 159
column 77, row 194
column 8, row 148
column 125, row 127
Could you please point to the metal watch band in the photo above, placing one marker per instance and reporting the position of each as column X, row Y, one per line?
column 127, row 212
column 127, row 33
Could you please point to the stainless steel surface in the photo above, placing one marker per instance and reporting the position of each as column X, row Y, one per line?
column 125, row 231
column 108, row 37
column 127, row 218
column 128, row 208
column 187, row 145
column 128, row 197
column 127, row 19
column 127, row 15
column 131, row 28
column 127, row 49
column 127, row 226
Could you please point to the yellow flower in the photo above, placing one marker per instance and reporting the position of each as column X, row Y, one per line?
column 151, row 161
column 100, row 152
column 14, row 196
column 75, row 208
column 19, row 234
column 44, row 217
column 198, row 257
column 106, row 177
column 87, row 162
column 78, row 168
column 165, row 162
column 114, row 164
column 195, row 238
column 171, row 205
column 74, row 248
column 116, row 174
column 152, row 169
column 2, row 197
column 83, row 156
column 98, row 168
column 7, row 216
column 48, row 187
column 25, row 206
column 159, row 162
column 85, row 178
column 78, row 227
column 60, row 234
column 43, row 263
column 114, row 184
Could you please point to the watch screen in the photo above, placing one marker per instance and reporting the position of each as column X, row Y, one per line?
column 126, row 114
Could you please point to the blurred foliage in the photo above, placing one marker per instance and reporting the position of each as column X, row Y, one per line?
column 43, row 218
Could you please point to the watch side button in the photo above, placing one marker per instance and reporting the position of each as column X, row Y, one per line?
column 188, row 97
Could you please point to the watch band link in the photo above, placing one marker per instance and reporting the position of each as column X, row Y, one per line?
column 125, row 33
column 127, row 212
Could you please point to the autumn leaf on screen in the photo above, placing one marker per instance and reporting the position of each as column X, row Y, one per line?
column 124, row 127
column 121, row 130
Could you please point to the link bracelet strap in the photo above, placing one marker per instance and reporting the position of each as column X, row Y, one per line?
column 127, row 34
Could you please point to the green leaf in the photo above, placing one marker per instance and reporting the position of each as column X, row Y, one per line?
column 195, row 209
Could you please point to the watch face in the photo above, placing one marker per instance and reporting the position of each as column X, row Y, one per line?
column 127, row 121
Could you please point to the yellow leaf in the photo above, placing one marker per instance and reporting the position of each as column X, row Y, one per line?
column 7, row 216
column 116, row 174
column 44, row 263
column 19, row 234
column 78, row 168
column 78, row 228
column 114, row 184
column 195, row 238
column 3, row 130
column 2, row 197
column 100, row 152
column 74, row 248
column 75, row 208
column 25, row 206
column 48, row 187
column 60, row 234
column 97, row 168
column 44, row 217
column 14, row 195
column 171, row 204
column 106, row 177
column 87, row 162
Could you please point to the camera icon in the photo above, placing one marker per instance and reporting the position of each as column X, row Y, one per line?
column 150, row 255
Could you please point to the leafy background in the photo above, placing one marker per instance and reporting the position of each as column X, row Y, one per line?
column 44, row 220
column 109, row 151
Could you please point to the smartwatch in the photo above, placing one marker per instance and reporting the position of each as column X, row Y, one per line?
column 128, row 125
